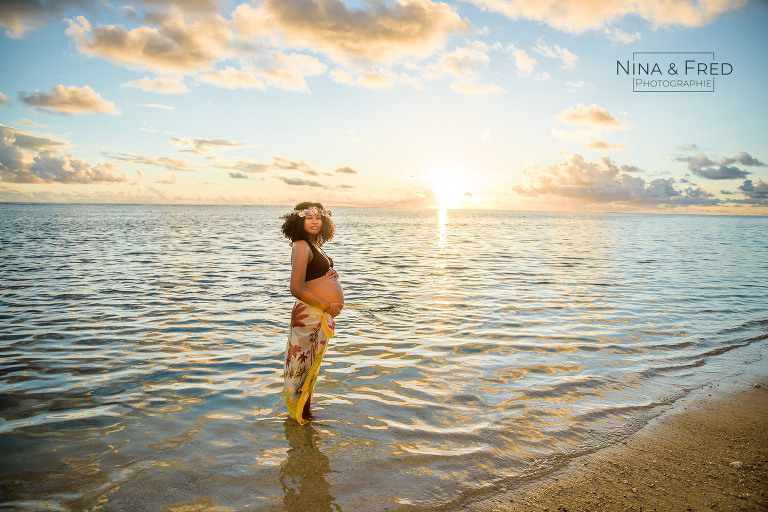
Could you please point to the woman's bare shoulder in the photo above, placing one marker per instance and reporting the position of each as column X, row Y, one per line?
column 301, row 247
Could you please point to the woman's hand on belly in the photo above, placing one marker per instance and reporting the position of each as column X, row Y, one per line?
column 332, row 274
column 335, row 308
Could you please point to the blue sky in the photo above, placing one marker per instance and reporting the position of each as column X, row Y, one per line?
column 498, row 104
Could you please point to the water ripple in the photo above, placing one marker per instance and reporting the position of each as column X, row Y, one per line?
column 141, row 348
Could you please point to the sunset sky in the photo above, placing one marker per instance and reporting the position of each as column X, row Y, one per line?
column 482, row 104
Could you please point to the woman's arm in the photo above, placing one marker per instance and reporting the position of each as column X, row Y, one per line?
column 299, row 259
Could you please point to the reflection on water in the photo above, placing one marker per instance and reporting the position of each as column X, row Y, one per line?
column 302, row 475
column 142, row 350
column 442, row 227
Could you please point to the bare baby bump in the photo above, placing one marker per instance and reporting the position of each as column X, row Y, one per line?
column 326, row 289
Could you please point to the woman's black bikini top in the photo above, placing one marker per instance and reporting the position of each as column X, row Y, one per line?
column 319, row 265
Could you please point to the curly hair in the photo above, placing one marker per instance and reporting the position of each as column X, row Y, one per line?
column 293, row 225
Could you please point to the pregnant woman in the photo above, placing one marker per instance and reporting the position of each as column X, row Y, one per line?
column 320, row 298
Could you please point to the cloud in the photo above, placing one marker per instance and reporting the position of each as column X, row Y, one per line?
column 719, row 168
column 697, row 162
column 172, row 164
column 163, row 85
column 176, row 45
column 466, row 61
column 69, row 100
column 109, row 195
column 27, row 157
column 463, row 63
column 24, row 139
column 27, row 122
column 237, row 169
column 231, row 78
column 756, row 194
column 288, row 70
column 3, row 99
column 602, row 182
column 282, row 163
column 191, row 6
column 619, row 36
column 723, row 172
column 383, row 33
column 204, row 146
column 631, row 168
column 279, row 43
column 567, row 58
column 472, row 89
column 523, row 61
column 743, row 158
column 372, row 79
column 300, row 182
column 601, row 145
column 592, row 115
column 20, row 16
column 251, row 167
column 49, row 167
column 14, row 161
column 169, row 179
column 156, row 105
column 577, row 16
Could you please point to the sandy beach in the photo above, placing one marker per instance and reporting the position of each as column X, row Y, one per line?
column 709, row 451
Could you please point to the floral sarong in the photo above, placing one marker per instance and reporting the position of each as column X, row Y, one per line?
column 311, row 328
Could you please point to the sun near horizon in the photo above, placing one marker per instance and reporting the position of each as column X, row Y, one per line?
column 450, row 189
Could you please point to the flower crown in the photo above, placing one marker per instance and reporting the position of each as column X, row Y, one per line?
column 312, row 211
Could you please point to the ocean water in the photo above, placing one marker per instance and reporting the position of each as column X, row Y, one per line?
column 142, row 348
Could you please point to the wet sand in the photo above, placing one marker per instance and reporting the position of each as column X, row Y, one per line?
column 709, row 451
